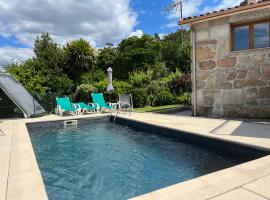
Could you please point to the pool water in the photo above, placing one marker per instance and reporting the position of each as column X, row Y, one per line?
column 103, row 160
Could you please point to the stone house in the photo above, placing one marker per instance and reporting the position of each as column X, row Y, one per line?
column 231, row 61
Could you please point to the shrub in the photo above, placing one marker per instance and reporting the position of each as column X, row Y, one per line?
column 185, row 98
column 122, row 87
column 164, row 97
column 181, row 84
column 101, row 86
column 92, row 77
column 140, row 78
column 152, row 89
column 83, row 92
column 139, row 96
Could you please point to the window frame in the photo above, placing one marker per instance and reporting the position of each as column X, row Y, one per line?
column 251, row 34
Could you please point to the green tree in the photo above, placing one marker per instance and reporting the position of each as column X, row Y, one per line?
column 47, row 51
column 137, row 53
column 28, row 76
column 50, row 65
column 92, row 77
column 44, row 72
column 176, row 51
column 79, row 58
column 106, row 58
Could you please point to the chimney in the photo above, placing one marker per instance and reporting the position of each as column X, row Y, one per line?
column 252, row 1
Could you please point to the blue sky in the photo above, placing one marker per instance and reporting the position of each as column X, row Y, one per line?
column 151, row 18
column 97, row 21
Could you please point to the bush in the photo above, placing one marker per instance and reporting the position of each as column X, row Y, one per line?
column 164, row 97
column 139, row 96
column 185, row 98
column 101, row 86
column 92, row 77
column 152, row 89
column 83, row 92
column 181, row 84
column 122, row 87
column 140, row 78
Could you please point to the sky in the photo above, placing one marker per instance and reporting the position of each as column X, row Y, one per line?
column 97, row 21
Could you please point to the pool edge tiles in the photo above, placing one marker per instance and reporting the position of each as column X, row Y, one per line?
column 227, row 146
column 192, row 189
column 215, row 184
column 24, row 178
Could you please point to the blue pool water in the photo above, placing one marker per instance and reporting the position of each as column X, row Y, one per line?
column 102, row 160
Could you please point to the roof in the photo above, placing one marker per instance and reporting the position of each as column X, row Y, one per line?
column 226, row 12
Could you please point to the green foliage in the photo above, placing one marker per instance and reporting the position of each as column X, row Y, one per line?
column 164, row 97
column 185, row 98
column 107, row 58
column 140, row 78
column 122, row 87
column 154, row 70
column 176, row 51
column 25, row 72
column 49, row 53
column 83, row 92
column 152, row 89
column 79, row 58
column 137, row 53
column 44, row 72
column 92, row 77
column 139, row 96
column 101, row 86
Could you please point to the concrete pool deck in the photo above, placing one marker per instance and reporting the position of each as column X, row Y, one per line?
column 20, row 177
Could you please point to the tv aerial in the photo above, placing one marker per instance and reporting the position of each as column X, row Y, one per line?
column 175, row 6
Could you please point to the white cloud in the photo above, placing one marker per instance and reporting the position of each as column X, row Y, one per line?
column 98, row 21
column 8, row 54
column 162, row 35
column 171, row 25
column 197, row 7
column 138, row 33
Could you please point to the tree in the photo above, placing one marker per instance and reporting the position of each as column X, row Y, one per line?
column 79, row 58
column 28, row 76
column 137, row 53
column 50, row 65
column 176, row 51
column 48, row 52
column 106, row 58
column 44, row 72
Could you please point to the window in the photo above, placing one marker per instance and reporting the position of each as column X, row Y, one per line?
column 241, row 37
column 261, row 35
column 250, row 36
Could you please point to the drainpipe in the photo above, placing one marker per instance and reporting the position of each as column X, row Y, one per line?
column 193, row 69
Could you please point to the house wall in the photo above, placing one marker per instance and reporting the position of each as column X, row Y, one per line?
column 231, row 84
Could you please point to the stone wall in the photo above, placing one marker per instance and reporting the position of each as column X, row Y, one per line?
column 231, row 84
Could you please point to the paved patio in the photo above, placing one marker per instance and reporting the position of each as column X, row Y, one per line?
column 20, row 177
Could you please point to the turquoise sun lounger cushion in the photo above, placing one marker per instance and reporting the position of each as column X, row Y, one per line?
column 99, row 99
column 65, row 104
column 85, row 106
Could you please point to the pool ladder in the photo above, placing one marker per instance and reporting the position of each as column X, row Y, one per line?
column 113, row 117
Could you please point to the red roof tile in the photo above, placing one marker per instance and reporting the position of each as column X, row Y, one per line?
column 222, row 12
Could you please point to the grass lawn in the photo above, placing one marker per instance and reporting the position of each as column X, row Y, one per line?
column 156, row 108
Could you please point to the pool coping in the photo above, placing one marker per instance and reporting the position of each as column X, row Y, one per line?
column 212, row 137
column 24, row 180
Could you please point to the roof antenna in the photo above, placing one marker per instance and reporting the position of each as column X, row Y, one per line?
column 176, row 6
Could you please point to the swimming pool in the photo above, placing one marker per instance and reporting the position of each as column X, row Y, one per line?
column 102, row 160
